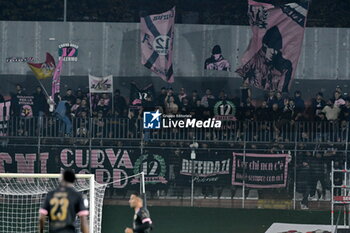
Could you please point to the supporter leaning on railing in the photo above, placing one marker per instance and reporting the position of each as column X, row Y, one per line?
column 283, row 110
column 63, row 113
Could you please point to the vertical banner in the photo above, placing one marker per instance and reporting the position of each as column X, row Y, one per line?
column 25, row 102
column 101, row 84
column 260, row 170
column 56, row 81
column 4, row 117
column 271, row 59
column 157, row 35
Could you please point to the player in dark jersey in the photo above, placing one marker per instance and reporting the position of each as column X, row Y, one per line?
column 142, row 219
column 63, row 205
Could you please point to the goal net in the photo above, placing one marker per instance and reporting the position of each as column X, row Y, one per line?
column 21, row 196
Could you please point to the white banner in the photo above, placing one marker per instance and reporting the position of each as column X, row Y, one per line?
column 101, row 84
column 299, row 228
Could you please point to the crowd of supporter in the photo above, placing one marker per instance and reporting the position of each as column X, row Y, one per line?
column 75, row 107
column 81, row 112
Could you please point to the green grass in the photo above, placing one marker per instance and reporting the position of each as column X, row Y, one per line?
column 209, row 220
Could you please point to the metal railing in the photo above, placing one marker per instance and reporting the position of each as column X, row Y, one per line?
column 311, row 145
column 126, row 129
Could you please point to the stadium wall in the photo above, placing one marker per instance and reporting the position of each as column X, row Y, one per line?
column 308, row 87
column 114, row 48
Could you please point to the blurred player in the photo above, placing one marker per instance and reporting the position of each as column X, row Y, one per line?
column 62, row 205
column 142, row 220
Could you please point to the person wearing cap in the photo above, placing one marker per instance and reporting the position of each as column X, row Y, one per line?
column 216, row 61
column 268, row 69
column 338, row 89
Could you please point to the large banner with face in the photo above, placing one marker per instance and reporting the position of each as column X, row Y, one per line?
column 271, row 59
column 108, row 164
column 4, row 117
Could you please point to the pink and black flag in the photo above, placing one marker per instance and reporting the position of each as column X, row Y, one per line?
column 157, row 35
column 271, row 59
column 56, row 80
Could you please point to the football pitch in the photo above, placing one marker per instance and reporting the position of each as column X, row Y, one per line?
column 209, row 220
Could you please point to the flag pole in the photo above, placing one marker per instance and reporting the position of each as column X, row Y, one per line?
column 49, row 99
column 112, row 96
column 90, row 93
column 65, row 11
column 90, row 104
column 42, row 86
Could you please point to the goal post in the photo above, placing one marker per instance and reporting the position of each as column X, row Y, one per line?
column 23, row 194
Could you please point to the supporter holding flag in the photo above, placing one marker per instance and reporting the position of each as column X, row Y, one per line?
column 40, row 106
column 63, row 113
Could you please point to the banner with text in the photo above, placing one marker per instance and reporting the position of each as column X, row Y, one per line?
column 108, row 164
column 260, row 170
column 207, row 168
column 25, row 104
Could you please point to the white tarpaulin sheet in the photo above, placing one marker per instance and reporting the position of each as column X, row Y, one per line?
column 299, row 228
